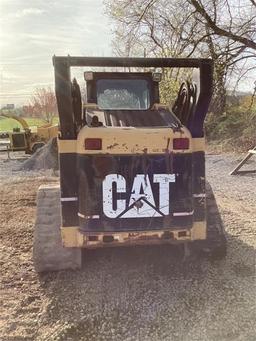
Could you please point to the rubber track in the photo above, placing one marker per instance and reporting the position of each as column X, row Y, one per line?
column 48, row 252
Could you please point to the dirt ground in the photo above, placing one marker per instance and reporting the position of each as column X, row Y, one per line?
column 136, row 293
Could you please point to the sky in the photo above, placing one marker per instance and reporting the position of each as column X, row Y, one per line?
column 32, row 31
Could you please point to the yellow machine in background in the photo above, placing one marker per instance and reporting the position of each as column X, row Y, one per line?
column 27, row 140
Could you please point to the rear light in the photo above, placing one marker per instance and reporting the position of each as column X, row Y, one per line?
column 181, row 143
column 93, row 144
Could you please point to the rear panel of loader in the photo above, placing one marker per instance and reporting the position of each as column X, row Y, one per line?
column 134, row 188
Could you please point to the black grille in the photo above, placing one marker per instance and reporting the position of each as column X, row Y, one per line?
column 19, row 140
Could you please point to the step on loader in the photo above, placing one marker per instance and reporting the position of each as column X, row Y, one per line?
column 132, row 171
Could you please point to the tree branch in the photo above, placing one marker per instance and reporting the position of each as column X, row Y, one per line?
column 221, row 31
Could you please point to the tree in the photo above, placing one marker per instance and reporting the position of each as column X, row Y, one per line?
column 223, row 30
column 43, row 104
column 231, row 33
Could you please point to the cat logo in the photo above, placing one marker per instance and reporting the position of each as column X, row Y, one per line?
column 141, row 201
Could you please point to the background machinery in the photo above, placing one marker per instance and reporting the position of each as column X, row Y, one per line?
column 25, row 139
column 132, row 171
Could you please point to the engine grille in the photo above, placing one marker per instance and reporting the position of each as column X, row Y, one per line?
column 18, row 140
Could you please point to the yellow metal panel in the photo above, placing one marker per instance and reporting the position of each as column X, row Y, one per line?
column 116, row 140
column 198, row 230
column 198, row 144
column 71, row 237
column 128, row 141
column 47, row 131
column 67, row 146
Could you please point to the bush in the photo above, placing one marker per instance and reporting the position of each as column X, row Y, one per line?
column 236, row 128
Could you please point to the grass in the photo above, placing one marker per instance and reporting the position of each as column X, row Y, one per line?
column 7, row 124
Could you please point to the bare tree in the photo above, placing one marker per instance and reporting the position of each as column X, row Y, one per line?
column 240, row 24
column 152, row 28
column 43, row 104
column 223, row 30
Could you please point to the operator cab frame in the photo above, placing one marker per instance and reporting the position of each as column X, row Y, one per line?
column 119, row 79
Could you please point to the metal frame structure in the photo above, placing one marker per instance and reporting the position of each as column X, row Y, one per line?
column 75, row 162
column 139, row 179
column 62, row 67
column 237, row 170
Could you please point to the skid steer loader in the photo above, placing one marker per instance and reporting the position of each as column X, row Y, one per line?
column 132, row 171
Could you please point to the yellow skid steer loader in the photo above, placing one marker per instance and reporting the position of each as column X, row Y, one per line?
column 132, row 171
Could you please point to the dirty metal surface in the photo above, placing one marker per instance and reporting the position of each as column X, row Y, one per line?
column 135, row 192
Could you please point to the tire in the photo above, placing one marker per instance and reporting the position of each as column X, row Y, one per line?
column 48, row 252
column 216, row 242
column 37, row 146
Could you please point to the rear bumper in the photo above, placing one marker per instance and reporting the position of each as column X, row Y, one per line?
column 75, row 237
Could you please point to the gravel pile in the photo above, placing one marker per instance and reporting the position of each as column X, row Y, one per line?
column 44, row 158
column 11, row 173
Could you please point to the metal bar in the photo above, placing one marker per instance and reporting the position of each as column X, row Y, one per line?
column 130, row 62
column 63, row 87
column 69, row 199
column 196, row 122
column 245, row 159
column 64, row 99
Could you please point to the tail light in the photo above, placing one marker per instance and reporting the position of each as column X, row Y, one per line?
column 181, row 143
column 93, row 144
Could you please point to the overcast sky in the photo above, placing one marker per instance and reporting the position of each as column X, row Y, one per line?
column 32, row 31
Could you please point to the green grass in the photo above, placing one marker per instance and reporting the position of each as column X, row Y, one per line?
column 7, row 124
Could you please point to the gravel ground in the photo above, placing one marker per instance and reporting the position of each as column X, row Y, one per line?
column 136, row 293
column 11, row 169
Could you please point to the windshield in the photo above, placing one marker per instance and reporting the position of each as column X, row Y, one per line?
column 123, row 94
